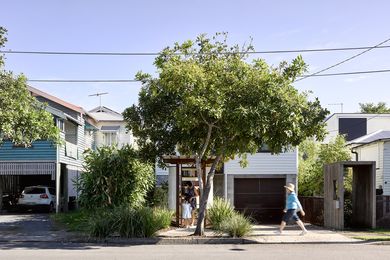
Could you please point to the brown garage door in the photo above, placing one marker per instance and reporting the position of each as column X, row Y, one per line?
column 261, row 198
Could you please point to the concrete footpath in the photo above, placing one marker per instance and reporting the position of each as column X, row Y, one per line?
column 40, row 228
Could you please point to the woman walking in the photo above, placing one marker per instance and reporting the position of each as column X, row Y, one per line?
column 292, row 206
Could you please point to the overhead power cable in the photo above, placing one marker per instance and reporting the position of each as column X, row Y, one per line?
column 133, row 80
column 343, row 61
column 157, row 53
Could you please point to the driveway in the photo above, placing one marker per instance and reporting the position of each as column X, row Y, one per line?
column 29, row 227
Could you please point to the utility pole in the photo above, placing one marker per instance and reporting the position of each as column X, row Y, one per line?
column 338, row 104
column 100, row 98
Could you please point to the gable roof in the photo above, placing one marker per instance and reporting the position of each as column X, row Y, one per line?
column 379, row 135
column 39, row 93
column 105, row 114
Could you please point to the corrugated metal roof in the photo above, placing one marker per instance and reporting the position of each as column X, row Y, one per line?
column 372, row 137
column 36, row 92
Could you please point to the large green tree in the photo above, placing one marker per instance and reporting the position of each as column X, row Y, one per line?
column 371, row 108
column 312, row 158
column 208, row 101
column 23, row 119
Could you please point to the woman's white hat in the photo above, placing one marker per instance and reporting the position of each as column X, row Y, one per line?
column 290, row 187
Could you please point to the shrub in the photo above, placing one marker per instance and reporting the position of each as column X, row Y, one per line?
column 102, row 224
column 114, row 177
column 162, row 218
column 219, row 212
column 237, row 225
column 130, row 222
column 158, row 197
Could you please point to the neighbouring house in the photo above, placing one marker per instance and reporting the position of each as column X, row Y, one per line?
column 375, row 147
column 257, row 190
column 111, row 128
column 45, row 163
column 366, row 137
column 354, row 125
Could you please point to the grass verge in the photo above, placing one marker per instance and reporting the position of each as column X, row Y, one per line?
column 76, row 221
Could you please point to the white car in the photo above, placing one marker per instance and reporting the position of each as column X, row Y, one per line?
column 37, row 197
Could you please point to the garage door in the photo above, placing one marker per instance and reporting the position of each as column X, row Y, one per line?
column 261, row 198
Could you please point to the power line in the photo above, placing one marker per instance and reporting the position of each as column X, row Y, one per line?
column 83, row 80
column 158, row 53
column 343, row 61
column 347, row 73
column 133, row 80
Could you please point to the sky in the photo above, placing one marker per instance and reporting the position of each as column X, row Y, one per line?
column 149, row 26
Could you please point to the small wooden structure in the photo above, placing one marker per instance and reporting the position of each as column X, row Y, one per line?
column 184, row 165
column 363, row 194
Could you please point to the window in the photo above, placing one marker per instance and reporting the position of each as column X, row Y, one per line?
column 34, row 190
column 264, row 148
column 352, row 127
column 110, row 139
column 61, row 125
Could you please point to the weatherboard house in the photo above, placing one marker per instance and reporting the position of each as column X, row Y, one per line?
column 45, row 163
column 256, row 190
column 368, row 137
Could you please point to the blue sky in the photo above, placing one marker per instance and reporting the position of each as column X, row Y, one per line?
column 149, row 26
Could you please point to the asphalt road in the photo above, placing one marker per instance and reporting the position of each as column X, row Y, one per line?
column 56, row 251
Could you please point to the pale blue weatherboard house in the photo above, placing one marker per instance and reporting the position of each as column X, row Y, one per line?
column 45, row 163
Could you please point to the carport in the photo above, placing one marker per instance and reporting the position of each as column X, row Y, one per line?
column 15, row 176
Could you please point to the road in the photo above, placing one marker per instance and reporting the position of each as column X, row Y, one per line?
column 51, row 251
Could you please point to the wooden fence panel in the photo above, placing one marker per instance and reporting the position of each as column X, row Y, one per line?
column 383, row 211
column 314, row 209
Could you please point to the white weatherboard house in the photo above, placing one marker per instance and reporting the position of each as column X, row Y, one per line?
column 355, row 125
column 375, row 147
column 256, row 190
column 367, row 136
column 111, row 128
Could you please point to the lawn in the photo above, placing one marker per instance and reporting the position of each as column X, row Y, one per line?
column 378, row 234
column 73, row 221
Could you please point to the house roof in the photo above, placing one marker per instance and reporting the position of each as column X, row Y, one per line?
column 105, row 114
column 36, row 92
column 379, row 135
column 353, row 115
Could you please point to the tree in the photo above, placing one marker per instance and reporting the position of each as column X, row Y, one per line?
column 371, row 108
column 23, row 119
column 207, row 101
column 312, row 158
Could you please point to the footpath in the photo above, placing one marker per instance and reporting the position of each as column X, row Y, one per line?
column 39, row 228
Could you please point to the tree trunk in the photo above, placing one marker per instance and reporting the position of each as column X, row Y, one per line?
column 199, row 231
column 198, row 165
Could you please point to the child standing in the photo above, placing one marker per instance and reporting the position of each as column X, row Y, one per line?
column 186, row 212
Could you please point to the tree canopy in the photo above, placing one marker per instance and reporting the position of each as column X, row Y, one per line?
column 371, row 108
column 207, row 100
column 312, row 158
column 23, row 119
